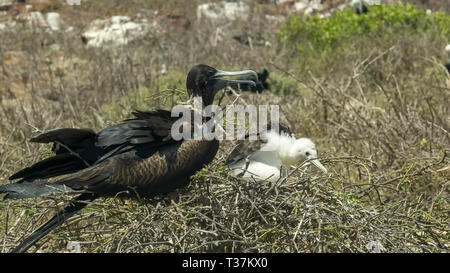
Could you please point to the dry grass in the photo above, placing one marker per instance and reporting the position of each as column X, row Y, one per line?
column 378, row 112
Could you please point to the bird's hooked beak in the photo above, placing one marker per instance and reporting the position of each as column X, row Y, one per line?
column 221, row 73
column 219, row 80
column 246, row 77
column 319, row 165
column 316, row 163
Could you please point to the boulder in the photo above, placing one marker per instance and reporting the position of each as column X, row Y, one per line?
column 54, row 21
column 36, row 19
column 117, row 30
column 223, row 11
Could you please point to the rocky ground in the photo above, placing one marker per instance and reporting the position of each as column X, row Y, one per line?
column 102, row 24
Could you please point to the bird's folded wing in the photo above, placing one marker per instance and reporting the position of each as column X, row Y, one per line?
column 77, row 149
column 245, row 148
column 147, row 127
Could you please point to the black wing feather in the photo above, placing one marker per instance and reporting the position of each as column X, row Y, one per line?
column 64, row 135
column 77, row 149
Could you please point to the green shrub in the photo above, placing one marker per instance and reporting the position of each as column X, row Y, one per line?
column 316, row 35
column 284, row 85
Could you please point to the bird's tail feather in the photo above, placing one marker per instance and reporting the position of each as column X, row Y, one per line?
column 76, row 205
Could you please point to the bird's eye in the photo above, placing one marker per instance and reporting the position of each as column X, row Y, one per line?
column 307, row 154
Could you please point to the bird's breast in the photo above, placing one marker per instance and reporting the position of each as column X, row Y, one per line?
column 168, row 165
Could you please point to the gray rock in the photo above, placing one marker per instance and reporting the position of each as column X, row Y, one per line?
column 223, row 11
column 116, row 31
column 54, row 21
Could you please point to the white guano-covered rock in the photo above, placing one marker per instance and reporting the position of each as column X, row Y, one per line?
column 447, row 48
column 223, row 11
column 49, row 22
column 117, row 30
column 36, row 19
column 54, row 21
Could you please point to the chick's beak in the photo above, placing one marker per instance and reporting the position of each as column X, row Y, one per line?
column 319, row 165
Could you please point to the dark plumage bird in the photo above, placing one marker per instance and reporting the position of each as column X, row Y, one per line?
column 250, row 40
column 261, row 83
column 137, row 157
column 360, row 7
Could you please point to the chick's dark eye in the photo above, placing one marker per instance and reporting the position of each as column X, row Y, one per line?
column 307, row 154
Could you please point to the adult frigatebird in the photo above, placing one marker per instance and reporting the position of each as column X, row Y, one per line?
column 135, row 157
